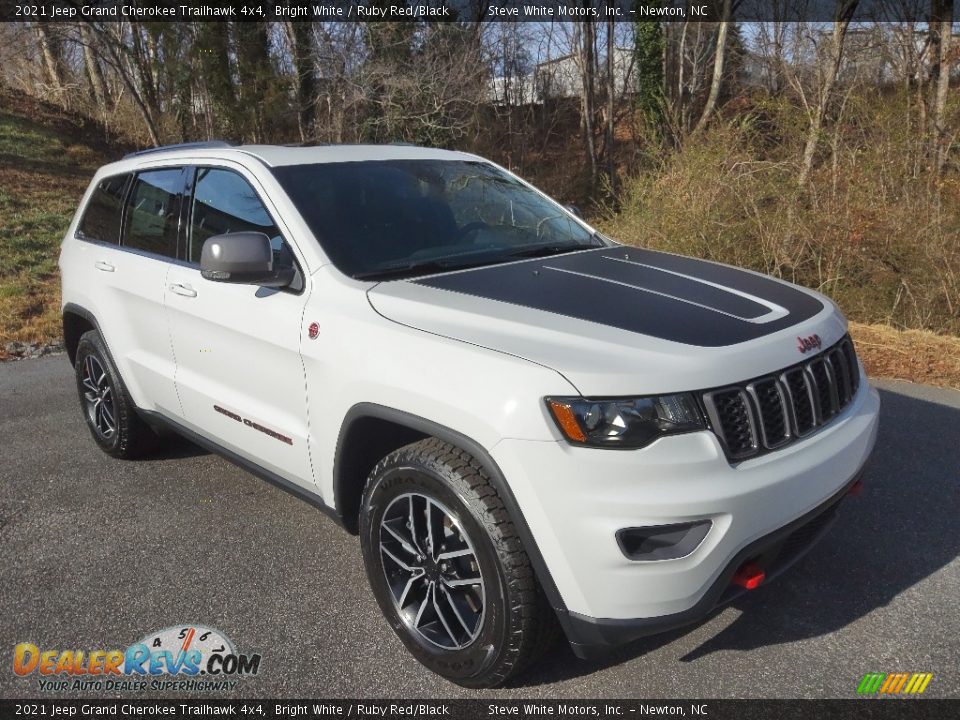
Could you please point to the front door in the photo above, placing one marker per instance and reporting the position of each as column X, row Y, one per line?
column 239, row 374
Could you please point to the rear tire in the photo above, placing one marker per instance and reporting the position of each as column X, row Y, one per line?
column 447, row 568
column 110, row 413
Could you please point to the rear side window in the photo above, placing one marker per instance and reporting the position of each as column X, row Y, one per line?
column 101, row 219
column 153, row 212
column 224, row 202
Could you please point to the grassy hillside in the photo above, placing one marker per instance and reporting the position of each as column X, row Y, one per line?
column 46, row 160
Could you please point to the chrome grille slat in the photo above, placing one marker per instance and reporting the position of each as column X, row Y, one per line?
column 802, row 410
column 730, row 408
column 823, row 389
column 846, row 345
column 841, row 373
column 771, row 412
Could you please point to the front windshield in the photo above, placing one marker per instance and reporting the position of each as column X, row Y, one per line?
column 383, row 218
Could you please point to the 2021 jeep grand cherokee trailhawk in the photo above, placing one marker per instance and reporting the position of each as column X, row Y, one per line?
column 525, row 422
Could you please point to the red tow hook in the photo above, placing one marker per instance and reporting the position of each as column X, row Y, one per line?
column 856, row 488
column 749, row 576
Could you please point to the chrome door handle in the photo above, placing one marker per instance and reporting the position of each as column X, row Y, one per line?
column 105, row 266
column 181, row 289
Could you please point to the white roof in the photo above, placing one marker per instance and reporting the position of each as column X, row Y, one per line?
column 279, row 155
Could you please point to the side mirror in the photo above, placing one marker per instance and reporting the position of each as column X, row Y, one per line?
column 574, row 210
column 241, row 257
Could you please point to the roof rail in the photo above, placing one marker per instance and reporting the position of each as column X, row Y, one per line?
column 181, row 146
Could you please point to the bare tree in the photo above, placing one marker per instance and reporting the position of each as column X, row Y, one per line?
column 611, row 92
column 53, row 65
column 585, row 54
column 92, row 65
column 827, row 70
column 689, row 49
column 113, row 40
column 941, row 29
column 302, row 57
column 718, row 57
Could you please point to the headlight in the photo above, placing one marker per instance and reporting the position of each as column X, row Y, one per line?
column 625, row 422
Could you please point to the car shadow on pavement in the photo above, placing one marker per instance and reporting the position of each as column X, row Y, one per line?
column 177, row 447
column 899, row 531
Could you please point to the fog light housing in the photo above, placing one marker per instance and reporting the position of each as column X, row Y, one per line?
column 662, row 542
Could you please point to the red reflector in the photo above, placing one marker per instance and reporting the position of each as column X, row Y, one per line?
column 749, row 576
column 856, row 488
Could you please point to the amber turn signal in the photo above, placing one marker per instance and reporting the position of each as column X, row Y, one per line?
column 567, row 420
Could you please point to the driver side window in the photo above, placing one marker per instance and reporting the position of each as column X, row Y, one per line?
column 224, row 202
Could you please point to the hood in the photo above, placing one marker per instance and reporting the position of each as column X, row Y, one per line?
column 621, row 321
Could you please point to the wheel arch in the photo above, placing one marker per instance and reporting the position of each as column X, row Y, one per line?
column 354, row 459
column 76, row 321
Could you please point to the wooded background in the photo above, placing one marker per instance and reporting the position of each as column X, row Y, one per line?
column 825, row 153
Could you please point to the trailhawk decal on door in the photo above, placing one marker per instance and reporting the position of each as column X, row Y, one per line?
column 254, row 425
column 665, row 296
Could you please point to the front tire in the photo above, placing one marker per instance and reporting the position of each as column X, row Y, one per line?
column 108, row 409
column 448, row 569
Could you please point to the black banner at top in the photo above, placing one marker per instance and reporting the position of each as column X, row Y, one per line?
column 465, row 10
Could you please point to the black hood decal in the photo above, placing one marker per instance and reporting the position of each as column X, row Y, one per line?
column 665, row 296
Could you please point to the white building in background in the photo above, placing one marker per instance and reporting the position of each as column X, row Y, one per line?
column 560, row 78
column 515, row 91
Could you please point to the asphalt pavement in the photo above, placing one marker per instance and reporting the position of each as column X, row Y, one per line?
column 98, row 553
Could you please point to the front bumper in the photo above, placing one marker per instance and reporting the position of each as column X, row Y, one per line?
column 774, row 554
column 575, row 500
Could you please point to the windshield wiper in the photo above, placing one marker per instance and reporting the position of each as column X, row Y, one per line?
column 547, row 249
column 429, row 266
column 399, row 270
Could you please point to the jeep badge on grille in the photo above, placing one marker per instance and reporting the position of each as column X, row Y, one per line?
column 810, row 342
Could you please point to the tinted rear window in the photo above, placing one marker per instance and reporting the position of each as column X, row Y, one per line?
column 101, row 219
column 153, row 214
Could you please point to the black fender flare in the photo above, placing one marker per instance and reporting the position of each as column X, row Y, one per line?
column 497, row 479
column 74, row 309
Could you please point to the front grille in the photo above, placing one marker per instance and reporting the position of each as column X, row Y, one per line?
column 732, row 410
column 772, row 411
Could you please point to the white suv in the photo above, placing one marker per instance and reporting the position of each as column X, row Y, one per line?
column 525, row 422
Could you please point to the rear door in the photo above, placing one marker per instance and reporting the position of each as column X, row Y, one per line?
column 239, row 374
column 128, row 279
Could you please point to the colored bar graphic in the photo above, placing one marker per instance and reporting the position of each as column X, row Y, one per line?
column 894, row 683
column 870, row 683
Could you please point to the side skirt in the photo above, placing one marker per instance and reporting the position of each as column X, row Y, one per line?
column 157, row 420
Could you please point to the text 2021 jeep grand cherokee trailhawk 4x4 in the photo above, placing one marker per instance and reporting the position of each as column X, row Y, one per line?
column 525, row 421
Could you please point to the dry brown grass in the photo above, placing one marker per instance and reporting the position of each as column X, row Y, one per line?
column 45, row 164
column 47, row 157
column 874, row 228
column 915, row 355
